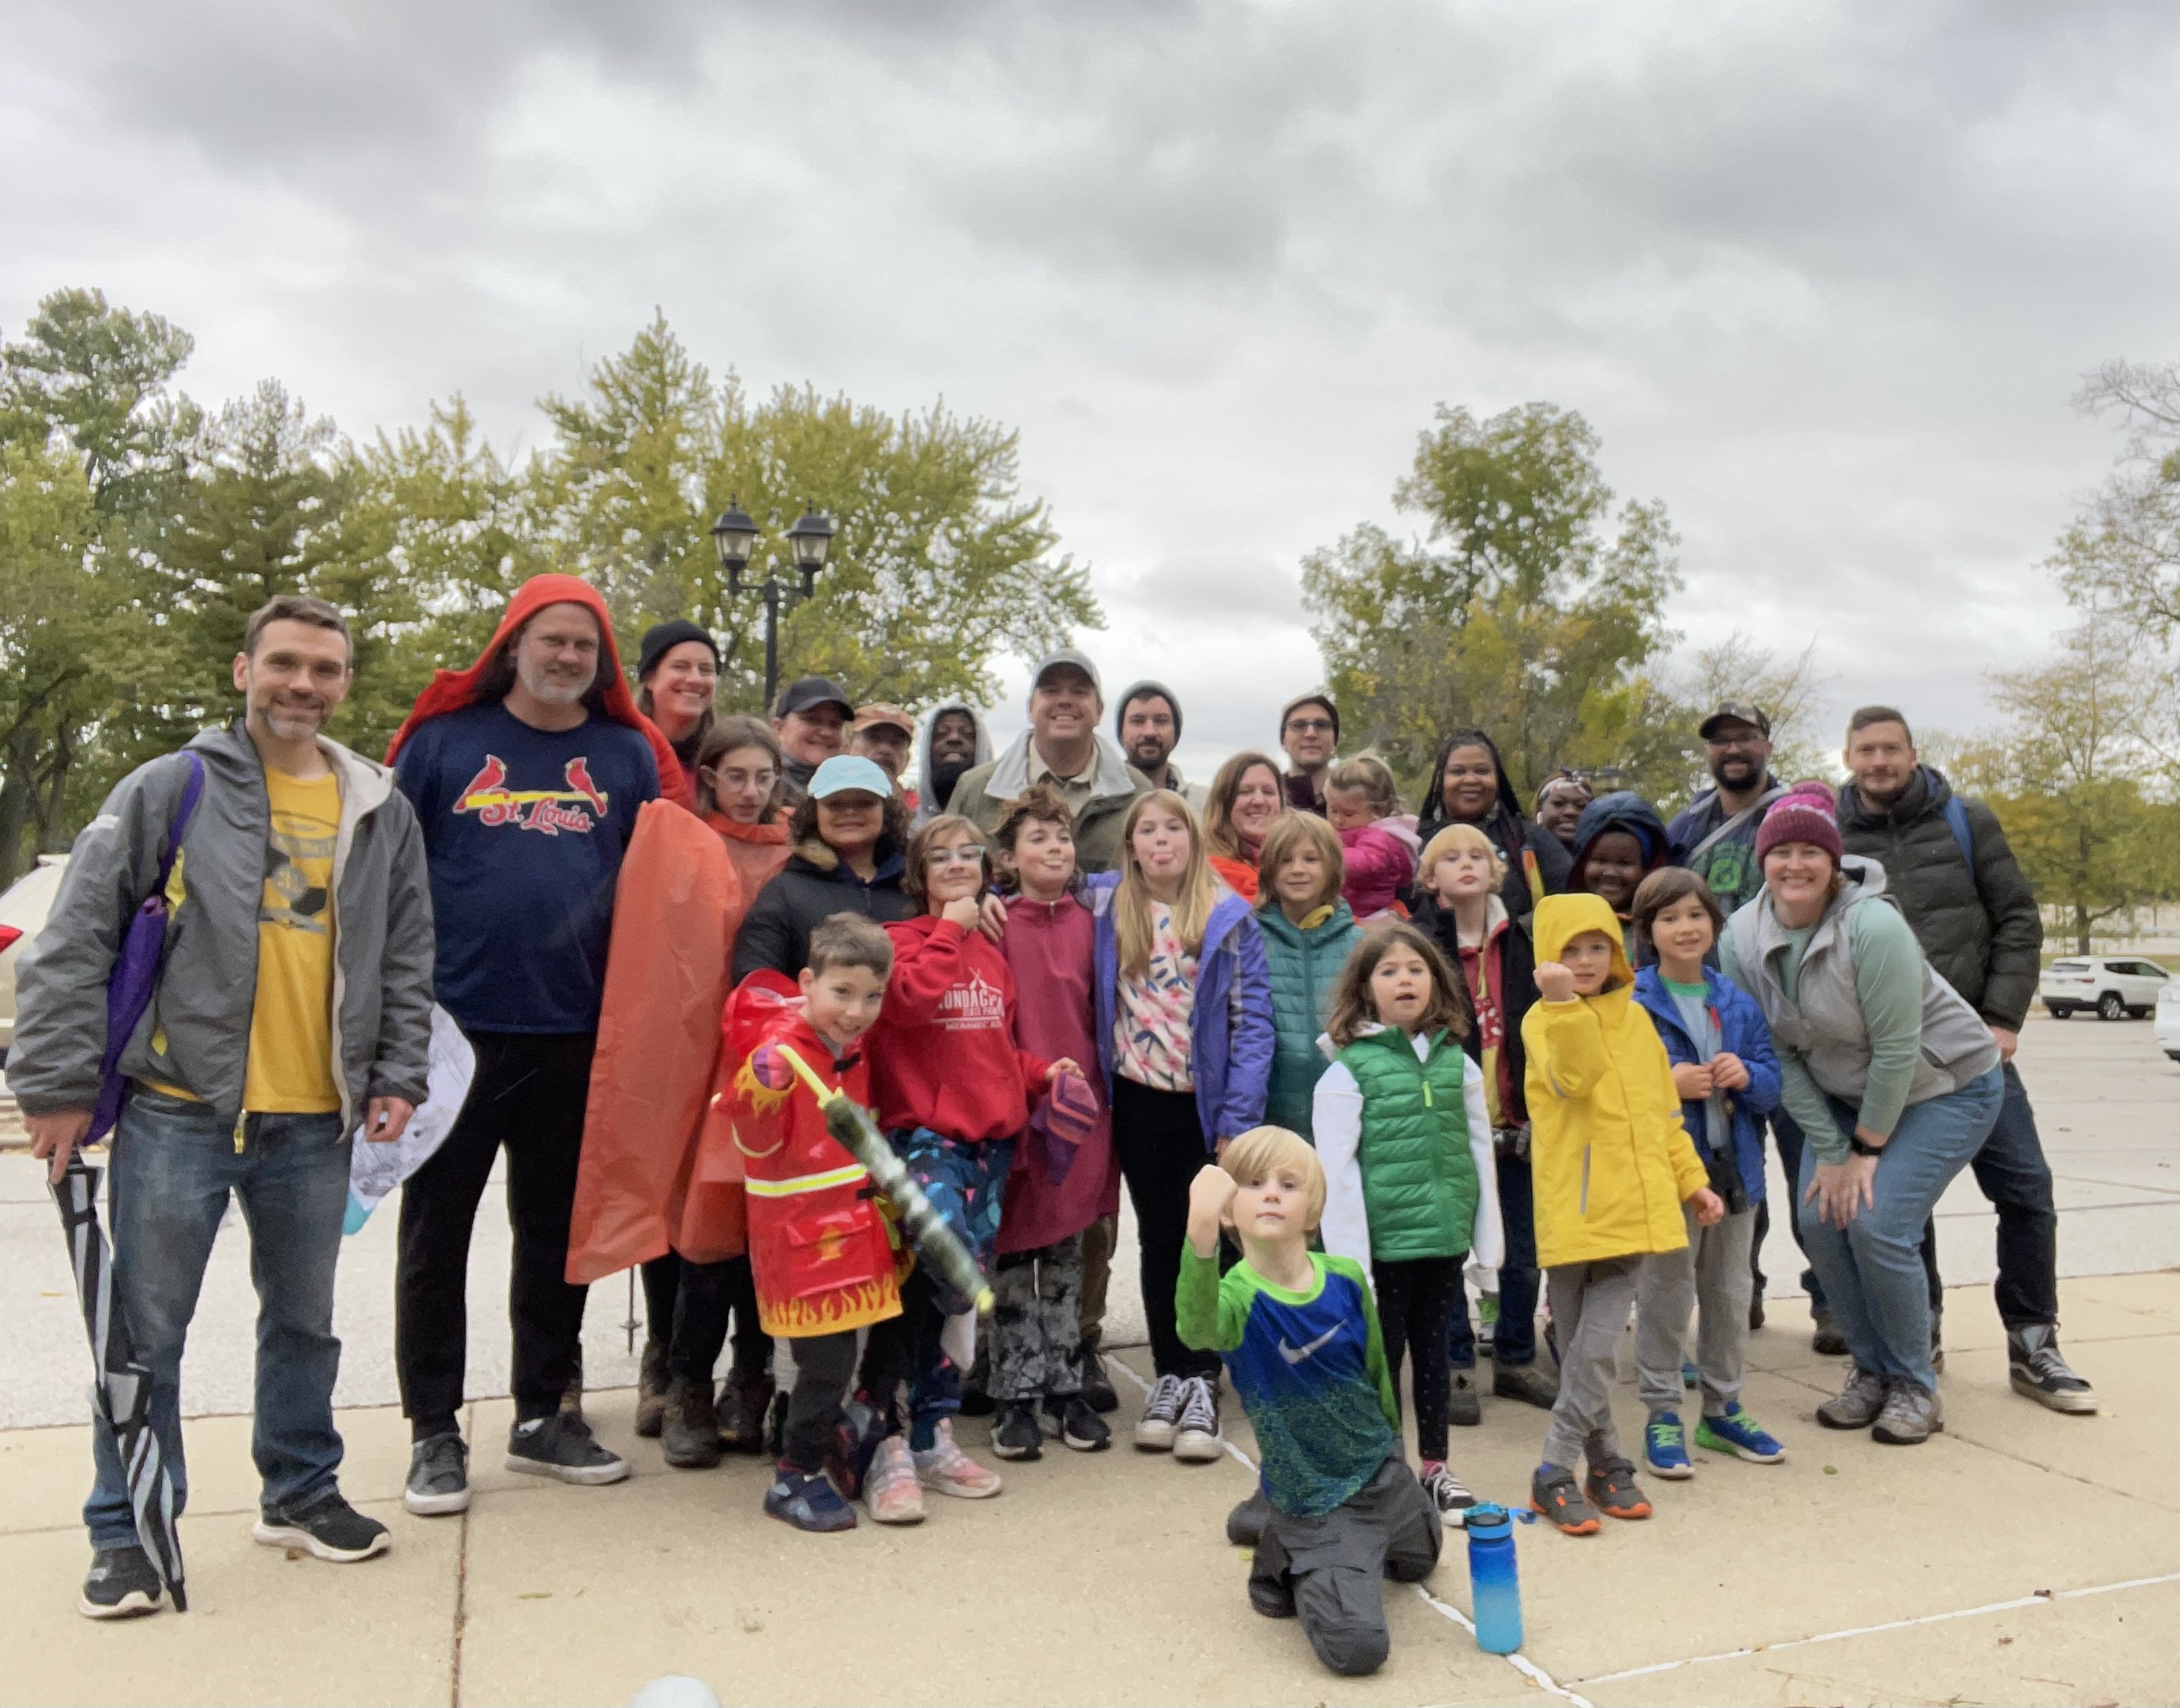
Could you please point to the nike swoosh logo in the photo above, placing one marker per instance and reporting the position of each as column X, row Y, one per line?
column 1296, row 1355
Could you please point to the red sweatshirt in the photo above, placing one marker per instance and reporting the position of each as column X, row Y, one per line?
column 942, row 1053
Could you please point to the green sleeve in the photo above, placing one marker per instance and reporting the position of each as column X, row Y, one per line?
column 1804, row 1098
column 1210, row 1314
column 1888, row 983
column 1379, row 1372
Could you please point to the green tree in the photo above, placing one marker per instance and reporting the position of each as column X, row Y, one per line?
column 940, row 566
column 1528, row 608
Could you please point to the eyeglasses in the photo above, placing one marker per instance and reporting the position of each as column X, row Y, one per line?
column 1309, row 726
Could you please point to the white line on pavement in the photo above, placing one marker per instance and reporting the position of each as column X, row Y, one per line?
column 2042, row 1600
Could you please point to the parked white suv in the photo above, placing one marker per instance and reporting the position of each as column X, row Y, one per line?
column 2117, row 986
column 2168, row 1019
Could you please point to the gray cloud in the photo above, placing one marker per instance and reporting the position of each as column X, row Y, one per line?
column 1823, row 279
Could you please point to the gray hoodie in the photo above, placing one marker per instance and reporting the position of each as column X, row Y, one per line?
column 200, row 1015
column 926, row 790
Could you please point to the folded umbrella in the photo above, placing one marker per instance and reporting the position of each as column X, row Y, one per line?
column 122, row 1391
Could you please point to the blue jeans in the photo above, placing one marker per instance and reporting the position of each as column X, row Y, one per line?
column 173, row 1164
column 1514, row 1341
column 1872, row 1270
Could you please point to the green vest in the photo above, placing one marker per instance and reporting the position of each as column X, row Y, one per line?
column 1419, row 1184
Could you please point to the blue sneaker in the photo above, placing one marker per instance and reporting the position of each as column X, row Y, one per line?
column 1691, row 1378
column 1666, row 1446
column 1736, row 1432
column 807, row 1501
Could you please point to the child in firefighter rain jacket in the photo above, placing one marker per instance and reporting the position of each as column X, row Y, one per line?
column 954, row 1092
column 823, row 1258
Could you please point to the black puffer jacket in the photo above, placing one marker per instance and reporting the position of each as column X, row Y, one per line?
column 1979, row 929
column 804, row 893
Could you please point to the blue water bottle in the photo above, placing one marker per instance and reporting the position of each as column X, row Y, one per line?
column 1495, row 1588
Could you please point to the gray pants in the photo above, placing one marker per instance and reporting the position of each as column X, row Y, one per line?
column 1589, row 1311
column 1036, row 1342
column 1712, row 1277
column 1326, row 1570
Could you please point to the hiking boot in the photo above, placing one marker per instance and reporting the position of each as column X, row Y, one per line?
column 1666, row 1446
column 743, row 1397
column 807, row 1501
column 1612, row 1490
column 1826, row 1339
column 1244, row 1524
column 1196, row 1438
column 438, row 1476
column 944, row 1468
column 890, row 1489
column 122, row 1584
column 1097, row 1385
column 1015, row 1434
column 1530, row 1383
column 562, row 1447
column 1463, row 1408
column 1734, row 1431
column 1857, row 1404
column 329, row 1528
column 1912, row 1414
column 1552, row 1492
column 650, row 1386
column 1449, row 1494
column 689, row 1430
column 2036, row 1369
column 1160, row 1421
column 1080, row 1426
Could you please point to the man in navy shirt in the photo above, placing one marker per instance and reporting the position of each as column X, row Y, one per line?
column 526, row 773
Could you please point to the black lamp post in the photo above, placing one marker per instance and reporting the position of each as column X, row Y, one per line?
column 735, row 536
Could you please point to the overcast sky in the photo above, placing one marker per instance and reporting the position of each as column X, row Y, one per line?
column 1823, row 278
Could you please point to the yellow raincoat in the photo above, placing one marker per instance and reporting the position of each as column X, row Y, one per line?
column 1611, row 1162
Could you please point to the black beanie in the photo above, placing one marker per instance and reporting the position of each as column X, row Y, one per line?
column 662, row 638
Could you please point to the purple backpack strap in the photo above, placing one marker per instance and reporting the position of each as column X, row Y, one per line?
column 135, row 973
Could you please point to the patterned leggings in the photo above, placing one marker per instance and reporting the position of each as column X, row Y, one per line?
column 1036, row 1344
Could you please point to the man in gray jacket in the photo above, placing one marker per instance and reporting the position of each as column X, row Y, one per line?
column 1954, row 878
column 293, row 1004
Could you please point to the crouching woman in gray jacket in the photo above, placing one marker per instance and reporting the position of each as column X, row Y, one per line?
column 1893, row 1077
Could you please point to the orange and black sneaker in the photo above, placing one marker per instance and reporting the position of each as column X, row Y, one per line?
column 1553, row 1493
column 1611, row 1488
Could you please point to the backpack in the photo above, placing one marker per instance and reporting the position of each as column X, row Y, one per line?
column 1957, row 822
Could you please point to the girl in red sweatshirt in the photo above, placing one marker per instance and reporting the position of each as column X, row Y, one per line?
column 953, row 1091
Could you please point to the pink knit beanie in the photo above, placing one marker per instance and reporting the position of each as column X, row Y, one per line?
column 1808, row 812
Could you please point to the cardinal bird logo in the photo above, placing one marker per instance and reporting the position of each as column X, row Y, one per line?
column 576, row 809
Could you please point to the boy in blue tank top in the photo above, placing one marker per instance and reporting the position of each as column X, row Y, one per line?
column 1299, row 1334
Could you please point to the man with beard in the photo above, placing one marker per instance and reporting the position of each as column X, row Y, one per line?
column 527, row 771
column 294, row 1005
column 1149, row 726
column 1715, row 838
column 954, row 743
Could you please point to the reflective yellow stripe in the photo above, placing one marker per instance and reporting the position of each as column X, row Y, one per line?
column 809, row 1182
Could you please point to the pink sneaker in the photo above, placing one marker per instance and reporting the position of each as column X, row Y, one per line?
column 889, row 1486
column 945, row 1467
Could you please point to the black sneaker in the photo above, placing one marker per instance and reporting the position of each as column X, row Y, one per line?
column 562, row 1447
column 328, row 1527
column 1826, row 1339
column 439, row 1477
column 1097, row 1387
column 1015, row 1431
column 1080, row 1426
column 2036, row 1369
column 1463, row 1409
column 121, row 1585
column 1244, row 1524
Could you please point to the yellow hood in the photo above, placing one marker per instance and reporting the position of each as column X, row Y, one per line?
column 1561, row 919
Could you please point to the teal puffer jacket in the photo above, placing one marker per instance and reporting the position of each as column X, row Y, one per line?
column 1305, row 965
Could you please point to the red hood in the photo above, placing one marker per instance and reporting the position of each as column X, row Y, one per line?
column 450, row 690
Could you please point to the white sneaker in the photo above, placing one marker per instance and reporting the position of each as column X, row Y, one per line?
column 1155, row 1429
column 1197, row 1438
column 1450, row 1495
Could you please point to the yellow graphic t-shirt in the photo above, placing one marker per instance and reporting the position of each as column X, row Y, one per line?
column 291, row 1071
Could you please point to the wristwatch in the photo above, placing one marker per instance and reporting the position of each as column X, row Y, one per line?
column 1862, row 1147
